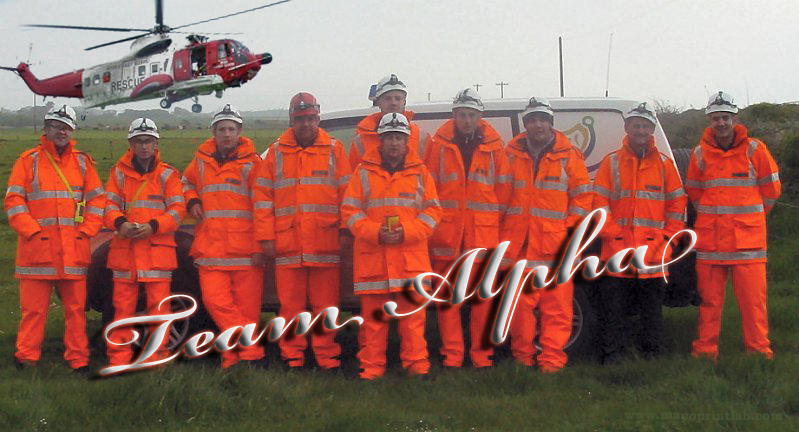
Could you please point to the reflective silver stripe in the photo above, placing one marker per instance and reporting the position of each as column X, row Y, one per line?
column 614, row 172
column 442, row 251
column 224, row 214
column 378, row 285
column 17, row 190
column 535, row 263
column 56, row 221
column 283, row 211
column 355, row 218
column 548, row 185
column 113, row 207
column 675, row 216
column 729, row 209
column 154, row 274
column 288, row 260
column 650, row 195
column 578, row 211
column 122, row 274
column 200, row 171
column 321, row 259
column 427, row 220
column 358, row 145
column 17, row 210
column 479, row 178
column 328, row 181
column 766, row 179
column 81, row 164
column 693, row 183
column 285, row 183
column 94, row 193
column 519, row 184
column 549, row 214
column 264, row 182
column 76, row 271
column 224, row 262
column 677, row 193
column 449, row 204
column 145, row 204
column 35, row 183
column 39, row 271
column 258, row 205
column 34, row 196
column 365, row 188
column 331, row 162
column 431, row 203
column 698, row 156
column 319, row 208
column 419, row 190
column 114, row 197
column 165, row 176
column 601, row 190
column 350, row 201
column 94, row 210
column 769, row 202
column 344, row 179
column 392, row 202
column 448, row 178
column 442, row 166
column 472, row 205
column 514, row 211
column 649, row 223
column 723, row 182
column 175, row 215
column 240, row 190
column 505, row 178
column 729, row 256
column 586, row 188
column 245, row 173
column 174, row 199
column 650, row 271
column 186, row 185
column 120, row 178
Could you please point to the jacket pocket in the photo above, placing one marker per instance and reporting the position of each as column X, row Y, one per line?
column 417, row 260
column 83, row 254
column 369, row 262
column 486, row 230
column 553, row 236
column 240, row 240
column 324, row 237
column 705, row 228
column 750, row 231
column 162, row 252
column 36, row 250
column 286, row 240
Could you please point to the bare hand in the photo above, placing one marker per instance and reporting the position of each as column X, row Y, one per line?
column 196, row 212
column 143, row 231
column 391, row 237
column 126, row 229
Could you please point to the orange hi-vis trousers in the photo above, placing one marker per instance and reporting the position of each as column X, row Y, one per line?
column 233, row 298
column 34, row 299
column 296, row 288
column 126, row 296
column 373, row 334
column 451, row 329
column 749, row 285
column 555, row 308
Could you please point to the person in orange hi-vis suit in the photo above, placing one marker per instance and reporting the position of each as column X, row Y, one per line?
column 472, row 175
column 733, row 181
column 551, row 194
column 298, row 195
column 641, row 191
column 390, row 97
column 217, row 186
column 145, row 206
column 55, row 204
column 392, row 208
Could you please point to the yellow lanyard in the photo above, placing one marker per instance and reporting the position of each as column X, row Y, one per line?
column 145, row 180
column 80, row 204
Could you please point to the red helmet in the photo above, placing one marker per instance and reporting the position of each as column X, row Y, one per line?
column 303, row 104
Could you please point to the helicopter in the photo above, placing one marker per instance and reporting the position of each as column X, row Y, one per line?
column 152, row 70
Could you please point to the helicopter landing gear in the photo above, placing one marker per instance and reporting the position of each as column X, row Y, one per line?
column 196, row 108
column 165, row 103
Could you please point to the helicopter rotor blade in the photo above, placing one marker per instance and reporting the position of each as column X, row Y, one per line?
column 233, row 14
column 117, row 41
column 205, row 33
column 114, row 29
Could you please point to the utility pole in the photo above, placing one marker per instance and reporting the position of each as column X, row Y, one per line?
column 428, row 96
column 560, row 56
column 502, row 85
column 477, row 87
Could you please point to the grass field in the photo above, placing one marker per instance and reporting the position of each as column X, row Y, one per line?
column 674, row 392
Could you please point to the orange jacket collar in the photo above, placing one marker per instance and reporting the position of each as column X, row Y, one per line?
column 49, row 146
column 287, row 138
column 562, row 143
column 243, row 150
column 491, row 138
column 741, row 136
column 369, row 123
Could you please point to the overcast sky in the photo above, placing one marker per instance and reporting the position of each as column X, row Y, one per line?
column 678, row 51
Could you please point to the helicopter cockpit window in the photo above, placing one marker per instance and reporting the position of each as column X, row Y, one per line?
column 239, row 53
column 154, row 68
column 142, row 70
column 223, row 52
column 96, row 79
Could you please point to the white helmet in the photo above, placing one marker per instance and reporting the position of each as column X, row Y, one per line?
column 143, row 126
column 641, row 110
column 64, row 114
column 468, row 98
column 227, row 112
column 394, row 122
column 721, row 102
column 389, row 83
column 535, row 105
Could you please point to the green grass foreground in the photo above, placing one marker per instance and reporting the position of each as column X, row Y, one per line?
column 672, row 393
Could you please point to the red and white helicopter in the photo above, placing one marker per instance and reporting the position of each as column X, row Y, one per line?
column 152, row 70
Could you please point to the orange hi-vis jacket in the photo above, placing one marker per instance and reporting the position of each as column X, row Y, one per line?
column 140, row 198
column 732, row 191
column 474, row 203
column 225, row 238
column 644, row 200
column 298, row 197
column 373, row 195
column 546, row 203
column 367, row 140
column 51, row 244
